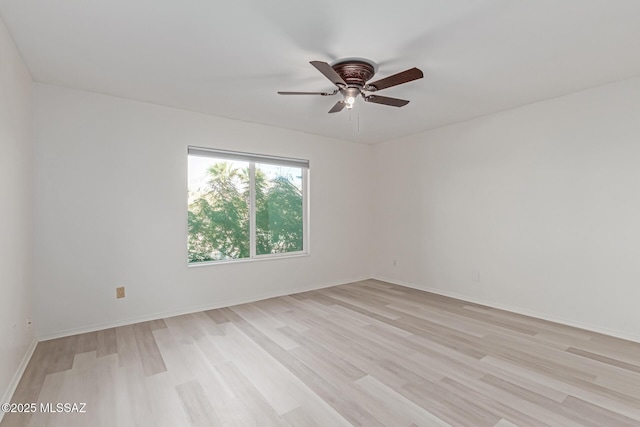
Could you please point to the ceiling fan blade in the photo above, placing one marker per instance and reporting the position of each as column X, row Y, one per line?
column 385, row 100
column 396, row 79
column 338, row 107
column 329, row 73
column 308, row 93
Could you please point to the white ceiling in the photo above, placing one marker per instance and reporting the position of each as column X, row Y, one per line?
column 230, row 58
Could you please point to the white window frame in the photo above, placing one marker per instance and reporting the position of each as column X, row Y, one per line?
column 253, row 158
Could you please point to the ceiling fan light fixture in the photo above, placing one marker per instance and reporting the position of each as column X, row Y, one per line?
column 350, row 96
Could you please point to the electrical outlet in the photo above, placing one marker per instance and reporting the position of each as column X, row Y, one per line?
column 120, row 292
column 476, row 276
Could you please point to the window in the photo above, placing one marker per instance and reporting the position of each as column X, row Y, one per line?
column 245, row 206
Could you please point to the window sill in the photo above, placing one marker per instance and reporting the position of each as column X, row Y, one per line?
column 243, row 260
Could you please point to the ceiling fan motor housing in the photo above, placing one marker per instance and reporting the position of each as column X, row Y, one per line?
column 354, row 73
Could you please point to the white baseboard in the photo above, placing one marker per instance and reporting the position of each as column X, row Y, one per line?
column 189, row 310
column 518, row 310
column 13, row 385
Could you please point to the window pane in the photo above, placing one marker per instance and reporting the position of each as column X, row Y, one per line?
column 218, row 209
column 279, row 215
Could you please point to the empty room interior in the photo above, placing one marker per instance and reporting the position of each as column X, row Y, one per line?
column 365, row 213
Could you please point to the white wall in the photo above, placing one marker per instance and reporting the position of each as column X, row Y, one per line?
column 111, row 210
column 543, row 201
column 16, row 205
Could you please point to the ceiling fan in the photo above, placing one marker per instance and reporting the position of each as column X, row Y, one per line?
column 351, row 76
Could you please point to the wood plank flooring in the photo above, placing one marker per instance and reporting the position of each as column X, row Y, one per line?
column 362, row 354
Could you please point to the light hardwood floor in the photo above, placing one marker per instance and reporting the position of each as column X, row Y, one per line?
column 366, row 353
